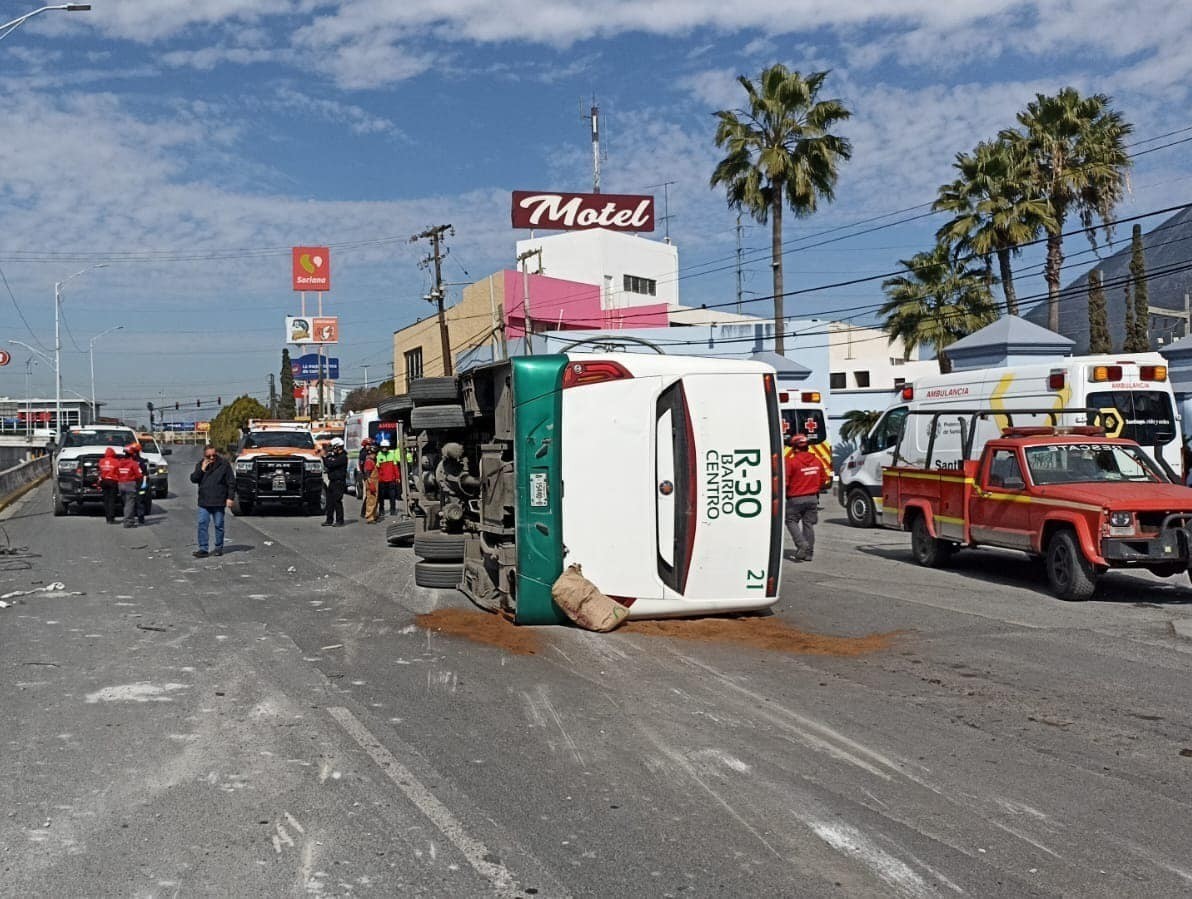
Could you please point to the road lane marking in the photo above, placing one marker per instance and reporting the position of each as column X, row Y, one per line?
column 475, row 852
column 849, row 841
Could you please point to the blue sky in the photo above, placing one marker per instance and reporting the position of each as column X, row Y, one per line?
column 190, row 142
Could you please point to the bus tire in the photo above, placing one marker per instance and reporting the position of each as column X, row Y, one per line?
column 436, row 546
column 439, row 575
column 859, row 508
column 927, row 550
column 400, row 533
column 393, row 407
column 430, row 418
column 1069, row 573
column 427, row 391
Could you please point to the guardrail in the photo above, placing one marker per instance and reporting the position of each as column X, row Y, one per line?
column 14, row 480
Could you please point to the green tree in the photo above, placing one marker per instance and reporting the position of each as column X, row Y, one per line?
column 285, row 402
column 938, row 301
column 1128, row 329
column 1078, row 161
column 780, row 151
column 367, row 397
column 994, row 206
column 857, row 423
column 1142, row 298
column 226, row 426
column 1098, row 316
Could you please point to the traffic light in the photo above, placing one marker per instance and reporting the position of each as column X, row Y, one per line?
column 149, row 406
column 198, row 404
column 219, row 401
column 177, row 405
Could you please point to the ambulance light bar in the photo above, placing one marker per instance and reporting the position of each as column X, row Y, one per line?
column 1106, row 373
column 812, row 397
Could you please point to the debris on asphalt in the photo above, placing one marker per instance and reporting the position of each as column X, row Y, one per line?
column 268, row 542
column 291, row 569
column 482, row 627
column 57, row 587
column 584, row 604
column 151, row 627
column 1186, row 753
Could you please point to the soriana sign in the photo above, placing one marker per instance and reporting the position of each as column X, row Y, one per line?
column 576, row 212
column 312, row 268
column 312, row 329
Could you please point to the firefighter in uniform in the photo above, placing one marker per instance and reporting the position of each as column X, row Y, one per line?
column 806, row 476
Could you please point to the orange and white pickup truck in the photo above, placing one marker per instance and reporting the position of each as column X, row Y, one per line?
column 1082, row 502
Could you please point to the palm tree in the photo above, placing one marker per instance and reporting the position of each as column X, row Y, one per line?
column 995, row 210
column 857, row 423
column 780, row 152
column 1077, row 151
column 938, row 301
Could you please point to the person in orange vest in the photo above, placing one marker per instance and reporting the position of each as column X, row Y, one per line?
column 108, row 467
column 389, row 477
column 806, row 476
column 128, row 481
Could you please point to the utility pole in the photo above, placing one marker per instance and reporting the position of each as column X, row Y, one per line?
column 523, row 260
column 272, row 396
column 666, row 216
column 365, row 367
column 594, row 117
column 437, row 294
column 740, row 273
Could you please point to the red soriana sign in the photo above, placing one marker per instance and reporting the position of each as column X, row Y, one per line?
column 576, row 212
column 312, row 268
column 5, row 357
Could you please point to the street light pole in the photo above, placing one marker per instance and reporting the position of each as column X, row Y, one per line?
column 9, row 27
column 91, row 353
column 58, row 347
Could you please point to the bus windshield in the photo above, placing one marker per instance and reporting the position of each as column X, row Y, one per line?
column 1147, row 414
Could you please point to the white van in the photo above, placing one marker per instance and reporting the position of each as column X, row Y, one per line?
column 1130, row 388
column 357, row 426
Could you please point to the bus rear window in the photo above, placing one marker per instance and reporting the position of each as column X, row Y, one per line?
column 804, row 421
column 674, row 401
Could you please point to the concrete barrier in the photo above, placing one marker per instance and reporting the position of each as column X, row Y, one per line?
column 14, row 481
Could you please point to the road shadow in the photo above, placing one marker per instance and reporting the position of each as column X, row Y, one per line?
column 1017, row 570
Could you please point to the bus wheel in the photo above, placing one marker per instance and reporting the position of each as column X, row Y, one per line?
column 927, row 550
column 1071, row 576
column 859, row 508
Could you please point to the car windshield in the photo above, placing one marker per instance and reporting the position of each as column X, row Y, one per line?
column 100, row 437
column 149, row 445
column 1082, row 463
column 284, row 439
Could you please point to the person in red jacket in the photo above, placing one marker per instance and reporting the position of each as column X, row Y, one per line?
column 128, row 482
column 108, row 466
column 806, row 476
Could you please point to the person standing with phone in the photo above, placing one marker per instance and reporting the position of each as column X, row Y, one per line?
column 217, row 486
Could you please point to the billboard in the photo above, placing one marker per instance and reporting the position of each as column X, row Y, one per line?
column 311, row 268
column 577, row 212
column 306, row 368
column 312, row 329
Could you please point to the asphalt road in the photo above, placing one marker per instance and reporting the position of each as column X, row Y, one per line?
column 274, row 723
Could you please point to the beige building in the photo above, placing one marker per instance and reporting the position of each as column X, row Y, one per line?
column 473, row 321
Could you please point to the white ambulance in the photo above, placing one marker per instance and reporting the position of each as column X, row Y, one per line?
column 1131, row 391
column 803, row 412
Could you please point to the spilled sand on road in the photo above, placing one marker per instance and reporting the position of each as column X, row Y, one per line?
column 755, row 632
column 761, row 632
column 482, row 627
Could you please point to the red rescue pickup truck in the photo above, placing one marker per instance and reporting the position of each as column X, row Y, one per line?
column 1082, row 502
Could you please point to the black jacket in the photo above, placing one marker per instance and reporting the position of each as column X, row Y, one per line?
column 217, row 484
column 336, row 466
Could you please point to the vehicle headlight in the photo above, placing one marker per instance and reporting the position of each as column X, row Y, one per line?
column 244, row 466
column 66, row 466
column 1121, row 519
column 314, row 467
column 163, row 469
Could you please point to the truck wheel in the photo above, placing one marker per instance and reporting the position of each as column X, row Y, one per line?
column 424, row 391
column 859, row 508
column 59, row 506
column 1071, row 576
column 927, row 550
column 443, row 575
column 315, row 503
column 428, row 418
column 394, row 406
column 242, row 507
column 400, row 533
column 435, row 546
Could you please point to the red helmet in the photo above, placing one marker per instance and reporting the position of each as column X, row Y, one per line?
column 799, row 441
column 365, row 441
column 133, row 448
